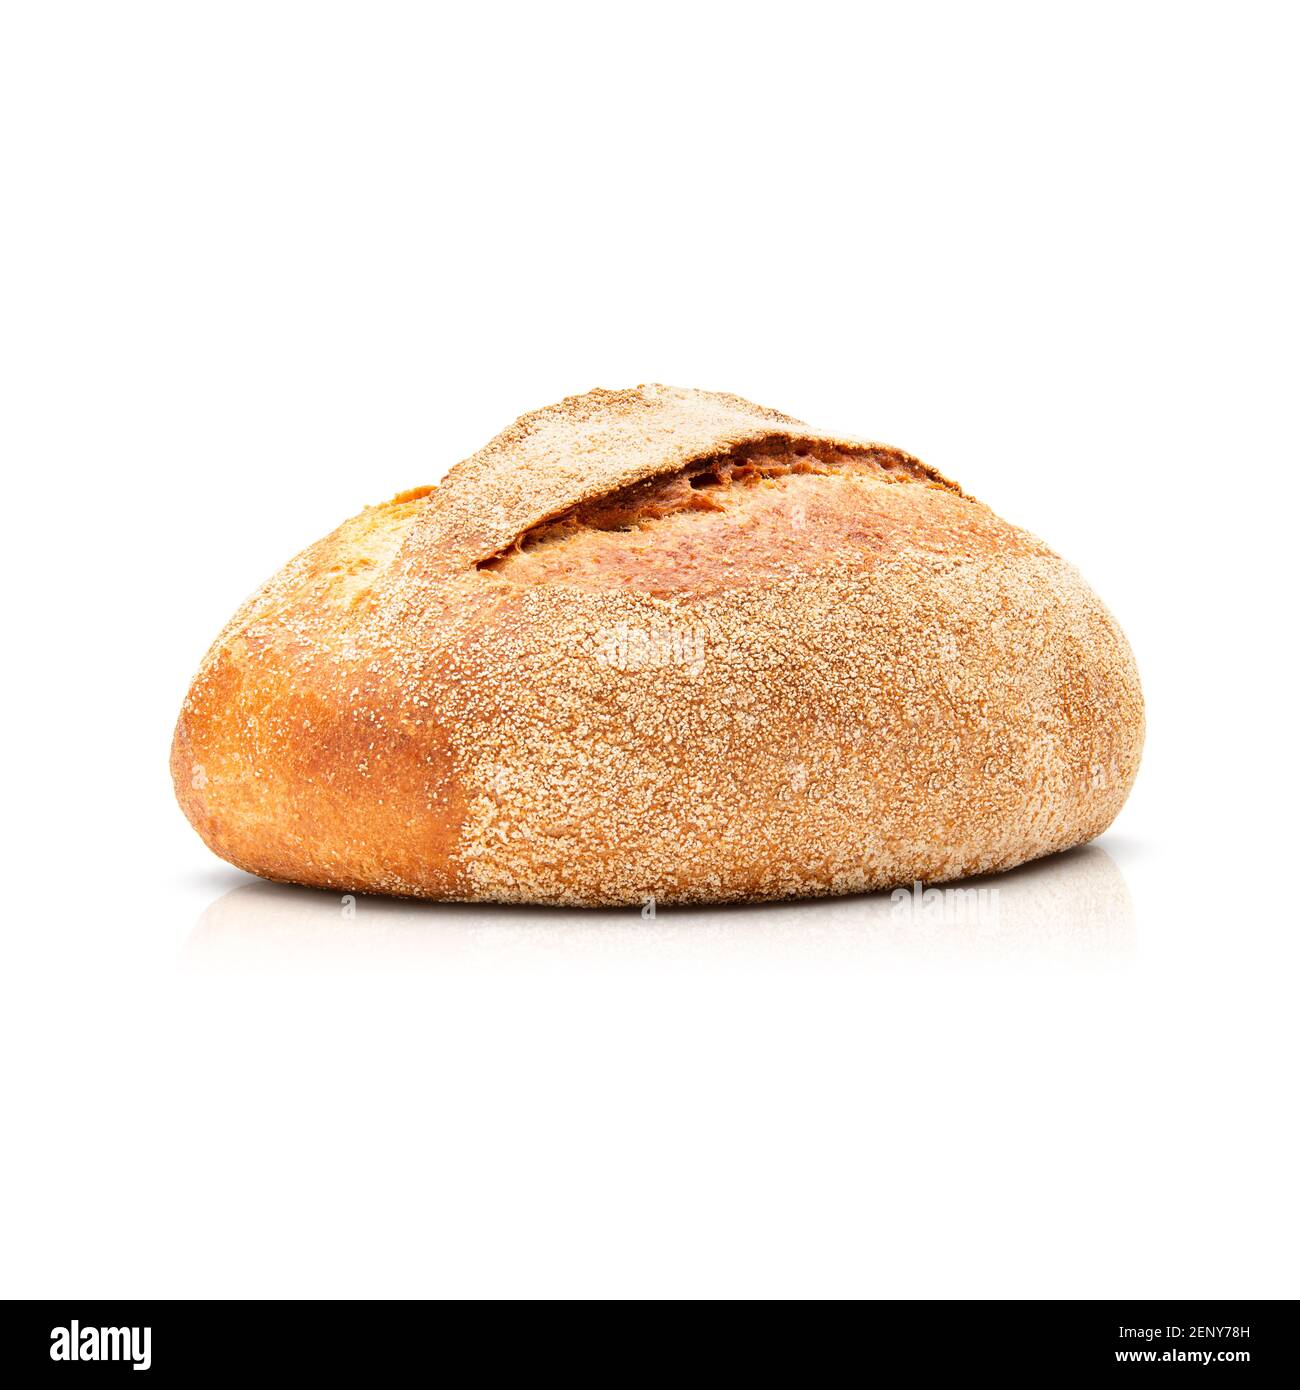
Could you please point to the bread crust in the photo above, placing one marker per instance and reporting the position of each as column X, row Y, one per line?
column 662, row 644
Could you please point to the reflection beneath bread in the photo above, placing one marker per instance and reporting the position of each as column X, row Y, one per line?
column 1070, row 907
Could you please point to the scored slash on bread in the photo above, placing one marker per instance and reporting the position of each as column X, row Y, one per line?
column 662, row 643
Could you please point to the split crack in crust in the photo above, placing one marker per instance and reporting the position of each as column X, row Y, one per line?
column 662, row 643
column 704, row 483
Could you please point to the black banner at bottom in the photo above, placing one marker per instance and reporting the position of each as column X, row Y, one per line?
column 369, row 1341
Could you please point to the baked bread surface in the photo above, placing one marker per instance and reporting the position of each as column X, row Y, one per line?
column 665, row 644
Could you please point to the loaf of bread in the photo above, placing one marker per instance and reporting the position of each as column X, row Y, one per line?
column 662, row 644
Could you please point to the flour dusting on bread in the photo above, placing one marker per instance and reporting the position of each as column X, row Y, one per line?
column 662, row 643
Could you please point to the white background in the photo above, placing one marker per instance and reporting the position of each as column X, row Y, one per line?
column 263, row 264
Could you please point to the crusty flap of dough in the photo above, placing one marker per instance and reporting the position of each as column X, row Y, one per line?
column 581, row 448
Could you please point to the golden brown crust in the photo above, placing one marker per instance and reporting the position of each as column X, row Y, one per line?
column 662, row 643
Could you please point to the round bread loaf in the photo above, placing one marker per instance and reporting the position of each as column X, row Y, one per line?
column 664, row 644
